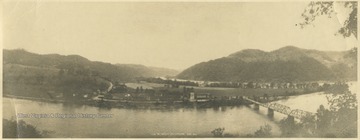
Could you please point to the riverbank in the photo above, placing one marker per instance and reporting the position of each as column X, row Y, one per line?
column 111, row 103
column 106, row 103
column 42, row 99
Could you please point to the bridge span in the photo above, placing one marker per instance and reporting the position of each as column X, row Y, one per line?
column 283, row 109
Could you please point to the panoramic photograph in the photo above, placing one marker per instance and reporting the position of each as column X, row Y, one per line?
column 122, row 69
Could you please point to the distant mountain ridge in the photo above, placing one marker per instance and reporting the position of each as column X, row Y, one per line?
column 115, row 72
column 285, row 64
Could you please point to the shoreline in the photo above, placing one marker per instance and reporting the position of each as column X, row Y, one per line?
column 150, row 104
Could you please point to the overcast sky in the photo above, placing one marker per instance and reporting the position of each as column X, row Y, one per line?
column 173, row 35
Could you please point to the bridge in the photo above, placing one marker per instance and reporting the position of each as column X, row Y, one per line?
column 295, row 113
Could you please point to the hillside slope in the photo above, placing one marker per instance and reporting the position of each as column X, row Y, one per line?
column 285, row 64
column 59, row 77
column 78, row 64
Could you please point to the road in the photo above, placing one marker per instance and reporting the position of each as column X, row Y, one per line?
column 110, row 87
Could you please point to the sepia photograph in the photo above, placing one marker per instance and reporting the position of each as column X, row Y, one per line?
column 179, row 69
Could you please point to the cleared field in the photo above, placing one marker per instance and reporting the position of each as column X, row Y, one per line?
column 25, row 90
column 144, row 85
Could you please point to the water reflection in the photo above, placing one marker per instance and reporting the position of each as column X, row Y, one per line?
column 141, row 122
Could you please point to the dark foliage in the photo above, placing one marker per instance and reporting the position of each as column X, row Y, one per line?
column 218, row 132
column 80, row 65
column 20, row 129
column 284, row 65
column 326, row 8
column 337, row 121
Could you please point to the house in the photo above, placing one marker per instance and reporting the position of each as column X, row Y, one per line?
column 199, row 97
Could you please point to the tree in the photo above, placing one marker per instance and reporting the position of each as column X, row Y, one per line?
column 61, row 72
column 326, row 8
column 250, row 85
column 344, row 109
column 324, row 121
column 218, row 132
column 308, row 125
column 352, row 54
column 264, row 131
column 266, row 97
column 340, row 120
column 20, row 129
column 289, row 128
column 141, row 89
column 137, row 90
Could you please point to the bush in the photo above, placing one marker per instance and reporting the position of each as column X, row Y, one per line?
column 20, row 129
column 263, row 132
column 218, row 132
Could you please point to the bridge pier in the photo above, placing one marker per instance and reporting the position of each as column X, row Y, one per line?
column 291, row 119
column 256, row 107
column 270, row 113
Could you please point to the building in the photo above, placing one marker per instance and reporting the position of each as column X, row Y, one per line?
column 199, row 97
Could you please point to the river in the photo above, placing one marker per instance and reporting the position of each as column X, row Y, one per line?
column 174, row 122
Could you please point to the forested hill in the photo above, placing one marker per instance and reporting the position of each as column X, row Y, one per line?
column 285, row 64
column 80, row 65
column 70, row 78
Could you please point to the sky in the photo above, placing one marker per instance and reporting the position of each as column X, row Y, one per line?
column 173, row 35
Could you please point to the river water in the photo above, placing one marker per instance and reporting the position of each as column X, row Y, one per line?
column 175, row 122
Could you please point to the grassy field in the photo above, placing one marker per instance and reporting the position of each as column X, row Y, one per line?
column 144, row 85
column 25, row 90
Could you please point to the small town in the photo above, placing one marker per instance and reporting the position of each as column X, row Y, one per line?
column 190, row 69
column 178, row 92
